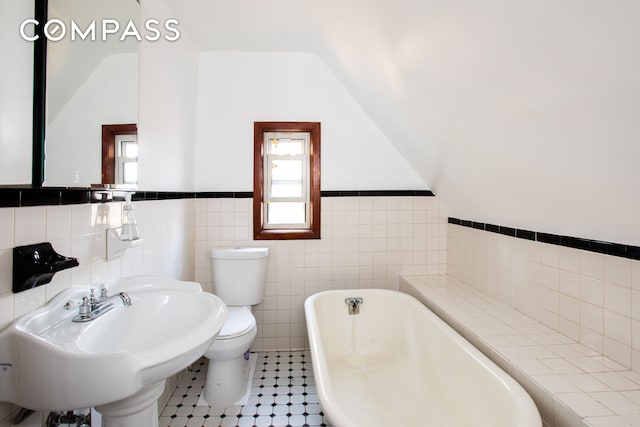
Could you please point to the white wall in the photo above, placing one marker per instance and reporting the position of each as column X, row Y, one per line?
column 237, row 88
column 74, row 136
column 521, row 114
column 168, row 84
column 166, row 226
column 548, row 117
column 516, row 114
column 75, row 230
column 16, row 94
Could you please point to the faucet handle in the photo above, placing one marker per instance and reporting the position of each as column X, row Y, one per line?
column 103, row 294
column 70, row 304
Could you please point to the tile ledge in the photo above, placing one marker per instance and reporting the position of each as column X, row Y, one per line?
column 464, row 308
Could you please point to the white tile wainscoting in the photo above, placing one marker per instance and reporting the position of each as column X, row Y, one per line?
column 366, row 242
column 79, row 231
column 592, row 298
column 589, row 298
column 572, row 385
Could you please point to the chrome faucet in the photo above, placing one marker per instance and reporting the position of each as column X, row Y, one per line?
column 92, row 307
column 354, row 304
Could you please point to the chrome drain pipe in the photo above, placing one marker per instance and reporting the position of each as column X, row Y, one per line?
column 69, row 418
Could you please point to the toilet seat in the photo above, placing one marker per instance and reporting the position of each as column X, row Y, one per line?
column 239, row 322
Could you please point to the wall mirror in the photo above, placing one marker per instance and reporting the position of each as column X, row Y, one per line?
column 16, row 101
column 89, row 83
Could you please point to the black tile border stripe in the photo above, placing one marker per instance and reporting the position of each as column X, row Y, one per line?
column 224, row 195
column 23, row 197
column 598, row 246
column 376, row 193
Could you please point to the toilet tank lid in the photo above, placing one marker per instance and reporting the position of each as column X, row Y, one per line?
column 239, row 253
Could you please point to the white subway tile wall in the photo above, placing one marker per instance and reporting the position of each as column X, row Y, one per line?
column 572, row 385
column 366, row 242
column 589, row 297
column 79, row 231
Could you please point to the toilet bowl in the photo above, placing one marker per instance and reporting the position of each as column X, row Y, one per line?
column 236, row 336
column 238, row 279
column 230, row 367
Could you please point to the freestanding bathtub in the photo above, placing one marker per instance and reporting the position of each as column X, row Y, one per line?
column 395, row 363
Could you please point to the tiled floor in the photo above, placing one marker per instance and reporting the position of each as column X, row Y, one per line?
column 283, row 394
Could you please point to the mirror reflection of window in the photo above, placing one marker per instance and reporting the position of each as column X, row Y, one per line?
column 88, row 83
column 127, row 159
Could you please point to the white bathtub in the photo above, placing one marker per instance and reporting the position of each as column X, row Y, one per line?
column 397, row 364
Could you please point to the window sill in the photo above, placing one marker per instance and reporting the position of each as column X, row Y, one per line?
column 286, row 234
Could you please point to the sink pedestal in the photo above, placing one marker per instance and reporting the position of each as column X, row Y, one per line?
column 141, row 409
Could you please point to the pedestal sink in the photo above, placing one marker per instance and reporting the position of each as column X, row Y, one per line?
column 117, row 362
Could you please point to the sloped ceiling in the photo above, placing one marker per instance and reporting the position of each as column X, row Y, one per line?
column 518, row 113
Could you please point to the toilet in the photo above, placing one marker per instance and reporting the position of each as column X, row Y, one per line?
column 238, row 279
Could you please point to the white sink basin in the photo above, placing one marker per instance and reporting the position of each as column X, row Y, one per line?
column 48, row 362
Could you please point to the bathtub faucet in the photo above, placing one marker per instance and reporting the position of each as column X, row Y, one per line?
column 354, row 304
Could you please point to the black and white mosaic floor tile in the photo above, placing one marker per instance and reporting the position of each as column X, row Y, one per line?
column 283, row 394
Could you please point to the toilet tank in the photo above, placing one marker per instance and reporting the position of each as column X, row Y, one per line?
column 239, row 274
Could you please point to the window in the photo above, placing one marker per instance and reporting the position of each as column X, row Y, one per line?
column 286, row 196
column 120, row 154
column 127, row 159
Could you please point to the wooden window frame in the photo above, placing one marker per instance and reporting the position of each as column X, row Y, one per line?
column 109, row 133
column 313, row 231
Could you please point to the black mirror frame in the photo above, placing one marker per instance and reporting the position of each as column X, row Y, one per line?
column 39, row 94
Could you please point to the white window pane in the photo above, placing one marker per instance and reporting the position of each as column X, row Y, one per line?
column 286, row 213
column 287, row 178
column 286, row 170
column 130, row 173
column 130, row 150
column 285, row 146
column 286, row 190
